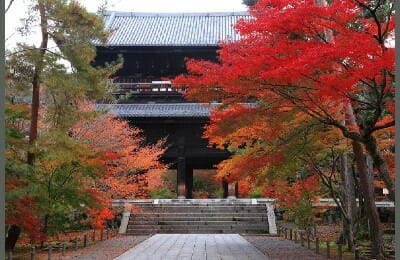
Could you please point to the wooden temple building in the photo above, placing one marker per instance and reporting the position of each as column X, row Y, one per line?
column 154, row 47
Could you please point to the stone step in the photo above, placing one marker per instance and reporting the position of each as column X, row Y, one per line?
column 163, row 222
column 198, row 201
column 197, row 219
column 205, row 211
column 202, row 218
column 205, row 227
column 198, row 214
column 194, row 220
column 195, row 225
column 156, row 221
column 233, row 203
column 142, row 232
column 201, row 223
column 201, row 205
column 192, row 202
column 197, row 231
column 214, row 207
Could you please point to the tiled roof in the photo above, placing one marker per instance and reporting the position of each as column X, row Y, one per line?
column 159, row 110
column 171, row 29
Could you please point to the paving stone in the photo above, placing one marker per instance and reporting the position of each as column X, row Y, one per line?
column 194, row 246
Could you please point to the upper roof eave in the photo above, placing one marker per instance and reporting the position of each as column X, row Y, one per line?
column 156, row 45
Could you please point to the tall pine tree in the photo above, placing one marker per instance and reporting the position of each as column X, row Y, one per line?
column 55, row 76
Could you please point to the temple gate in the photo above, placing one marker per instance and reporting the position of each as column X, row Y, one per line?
column 154, row 48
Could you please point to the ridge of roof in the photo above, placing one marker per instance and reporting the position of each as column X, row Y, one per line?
column 158, row 14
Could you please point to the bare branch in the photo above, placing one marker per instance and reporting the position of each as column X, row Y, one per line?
column 9, row 5
column 383, row 126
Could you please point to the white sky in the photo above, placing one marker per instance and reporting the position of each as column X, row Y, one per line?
column 19, row 10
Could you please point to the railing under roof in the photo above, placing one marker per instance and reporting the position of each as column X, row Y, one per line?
column 153, row 87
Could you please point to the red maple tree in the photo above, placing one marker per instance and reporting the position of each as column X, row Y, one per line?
column 329, row 63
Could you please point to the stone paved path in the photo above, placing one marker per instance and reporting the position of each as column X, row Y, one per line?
column 194, row 246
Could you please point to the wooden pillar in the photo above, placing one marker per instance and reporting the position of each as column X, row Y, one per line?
column 237, row 189
column 181, row 178
column 181, row 169
column 224, row 188
column 189, row 183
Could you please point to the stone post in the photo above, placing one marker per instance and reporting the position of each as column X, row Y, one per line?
column 124, row 222
column 271, row 218
column 50, row 252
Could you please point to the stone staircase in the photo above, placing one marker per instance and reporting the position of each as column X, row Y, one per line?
column 229, row 216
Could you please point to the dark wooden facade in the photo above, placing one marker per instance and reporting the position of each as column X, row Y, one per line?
column 152, row 63
column 187, row 150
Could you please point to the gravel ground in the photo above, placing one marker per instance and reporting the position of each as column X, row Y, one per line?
column 278, row 248
column 105, row 250
column 273, row 247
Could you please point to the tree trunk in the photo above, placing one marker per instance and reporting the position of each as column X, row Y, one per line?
column 36, row 83
column 349, row 197
column 380, row 163
column 375, row 231
column 348, row 184
column 44, row 230
column 12, row 237
column 367, row 191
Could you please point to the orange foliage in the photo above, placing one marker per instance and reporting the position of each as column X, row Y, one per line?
column 100, row 216
column 132, row 168
column 289, row 194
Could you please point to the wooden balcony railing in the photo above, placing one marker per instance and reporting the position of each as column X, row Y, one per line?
column 153, row 87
